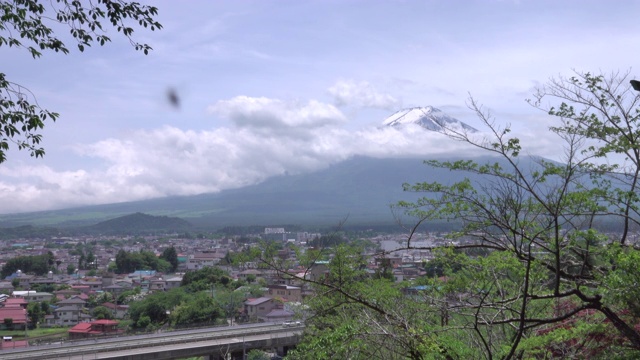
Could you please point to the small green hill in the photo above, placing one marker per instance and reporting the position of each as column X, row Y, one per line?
column 140, row 223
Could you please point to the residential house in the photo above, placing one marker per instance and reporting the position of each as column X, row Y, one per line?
column 389, row 262
column 127, row 284
column 156, row 285
column 173, row 282
column 85, row 289
column 33, row 296
column 287, row 292
column 93, row 284
column 6, row 287
column 15, row 301
column 283, row 279
column 119, row 311
column 114, row 289
column 24, row 280
column 257, row 309
column 50, row 279
column 74, row 301
column 278, row 315
column 65, row 316
column 67, row 312
column 17, row 314
column 65, row 294
column 318, row 271
column 205, row 258
column 398, row 275
column 94, row 328
column 250, row 273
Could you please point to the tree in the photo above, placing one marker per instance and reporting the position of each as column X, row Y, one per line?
column 128, row 262
column 43, row 287
column 38, row 265
column 198, row 308
column 105, row 297
column 544, row 279
column 31, row 25
column 82, row 262
column 152, row 310
column 101, row 312
column 358, row 316
column 205, row 278
column 543, row 221
column 35, row 312
column 256, row 354
column 229, row 302
column 170, row 255
column 90, row 261
column 45, row 307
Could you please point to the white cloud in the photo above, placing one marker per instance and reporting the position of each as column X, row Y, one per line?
column 277, row 115
column 361, row 94
column 171, row 161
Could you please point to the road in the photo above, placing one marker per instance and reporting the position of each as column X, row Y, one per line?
column 167, row 345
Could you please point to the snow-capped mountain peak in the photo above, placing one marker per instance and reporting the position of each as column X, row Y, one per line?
column 429, row 118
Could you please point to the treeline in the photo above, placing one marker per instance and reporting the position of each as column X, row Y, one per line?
column 128, row 262
column 34, row 264
column 208, row 295
column 140, row 223
column 30, row 232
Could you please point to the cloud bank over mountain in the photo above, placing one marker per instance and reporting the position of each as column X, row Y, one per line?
column 265, row 137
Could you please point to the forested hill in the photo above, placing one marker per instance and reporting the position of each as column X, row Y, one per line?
column 29, row 231
column 139, row 222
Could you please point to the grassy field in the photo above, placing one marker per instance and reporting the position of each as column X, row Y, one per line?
column 35, row 333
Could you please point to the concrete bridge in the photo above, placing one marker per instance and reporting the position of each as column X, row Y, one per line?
column 212, row 343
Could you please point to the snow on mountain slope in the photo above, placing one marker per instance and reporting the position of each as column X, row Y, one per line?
column 429, row 118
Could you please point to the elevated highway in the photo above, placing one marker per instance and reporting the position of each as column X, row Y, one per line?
column 213, row 343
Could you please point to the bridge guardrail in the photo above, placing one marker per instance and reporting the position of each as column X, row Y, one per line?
column 168, row 338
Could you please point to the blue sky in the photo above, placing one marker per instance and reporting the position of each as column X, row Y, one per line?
column 273, row 87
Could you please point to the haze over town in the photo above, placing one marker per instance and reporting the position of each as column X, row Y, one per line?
column 267, row 88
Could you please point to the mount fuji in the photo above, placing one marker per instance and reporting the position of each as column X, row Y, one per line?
column 429, row 118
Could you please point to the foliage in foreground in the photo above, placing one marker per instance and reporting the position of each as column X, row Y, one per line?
column 528, row 275
column 31, row 25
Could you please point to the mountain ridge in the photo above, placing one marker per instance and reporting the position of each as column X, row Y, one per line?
column 360, row 189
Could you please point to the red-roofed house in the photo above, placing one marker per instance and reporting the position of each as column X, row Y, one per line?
column 17, row 314
column 15, row 302
column 94, row 328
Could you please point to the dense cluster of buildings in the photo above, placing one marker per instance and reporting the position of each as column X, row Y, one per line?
column 281, row 293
